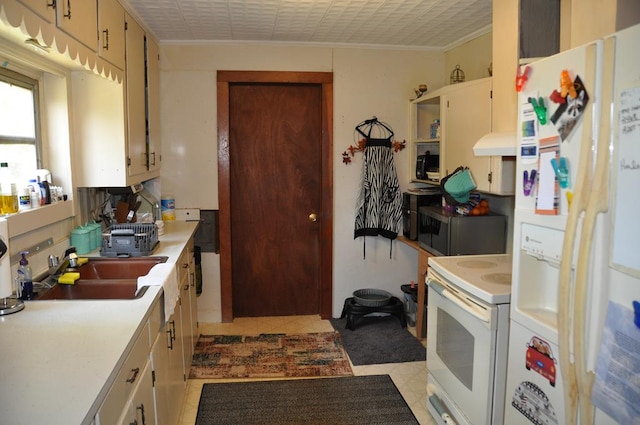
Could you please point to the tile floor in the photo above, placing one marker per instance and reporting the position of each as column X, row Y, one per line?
column 410, row 378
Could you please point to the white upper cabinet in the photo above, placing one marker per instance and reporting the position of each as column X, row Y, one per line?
column 466, row 118
column 135, row 89
column 153, row 105
column 111, row 22
column 79, row 18
column 46, row 9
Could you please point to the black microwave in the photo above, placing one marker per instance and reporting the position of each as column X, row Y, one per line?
column 447, row 233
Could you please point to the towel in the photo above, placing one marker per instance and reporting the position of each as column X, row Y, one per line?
column 165, row 275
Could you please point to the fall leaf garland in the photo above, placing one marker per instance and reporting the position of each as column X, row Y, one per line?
column 362, row 143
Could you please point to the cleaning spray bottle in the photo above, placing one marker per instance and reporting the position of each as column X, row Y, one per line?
column 25, row 277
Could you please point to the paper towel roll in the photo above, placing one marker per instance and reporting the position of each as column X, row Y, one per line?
column 6, row 284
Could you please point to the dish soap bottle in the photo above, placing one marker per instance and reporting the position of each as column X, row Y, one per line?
column 25, row 277
column 8, row 191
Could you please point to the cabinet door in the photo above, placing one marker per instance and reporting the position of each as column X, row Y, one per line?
column 153, row 105
column 140, row 408
column 176, row 385
column 135, row 89
column 189, row 301
column 46, row 9
column 111, row 32
column 160, row 364
column 79, row 19
column 467, row 118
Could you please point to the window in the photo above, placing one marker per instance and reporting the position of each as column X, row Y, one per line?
column 19, row 123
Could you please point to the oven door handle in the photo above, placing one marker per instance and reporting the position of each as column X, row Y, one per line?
column 470, row 308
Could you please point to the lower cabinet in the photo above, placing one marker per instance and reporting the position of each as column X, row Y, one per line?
column 140, row 409
column 128, row 383
column 168, row 366
column 151, row 385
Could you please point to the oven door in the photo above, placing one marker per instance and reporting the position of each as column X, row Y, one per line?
column 461, row 344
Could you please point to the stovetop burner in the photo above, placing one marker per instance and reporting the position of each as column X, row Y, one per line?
column 477, row 264
column 501, row 278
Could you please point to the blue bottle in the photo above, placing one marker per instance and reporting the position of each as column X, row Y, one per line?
column 26, row 279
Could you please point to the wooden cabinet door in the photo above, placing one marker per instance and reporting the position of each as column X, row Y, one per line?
column 135, row 89
column 111, row 32
column 160, row 362
column 176, row 384
column 46, row 9
column 467, row 118
column 423, row 266
column 153, row 105
column 79, row 19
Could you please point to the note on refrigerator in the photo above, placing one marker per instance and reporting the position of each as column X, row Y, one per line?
column 616, row 390
column 626, row 177
column 547, row 201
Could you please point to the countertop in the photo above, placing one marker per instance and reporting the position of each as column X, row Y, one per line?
column 59, row 358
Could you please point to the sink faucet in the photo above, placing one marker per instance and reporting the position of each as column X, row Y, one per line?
column 57, row 267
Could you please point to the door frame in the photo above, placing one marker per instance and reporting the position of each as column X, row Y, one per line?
column 224, row 79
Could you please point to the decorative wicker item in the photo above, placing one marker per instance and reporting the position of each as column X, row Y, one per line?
column 457, row 75
column 371, row 297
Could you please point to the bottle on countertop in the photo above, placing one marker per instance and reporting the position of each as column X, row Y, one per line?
column 8, row 191
column 25, row 277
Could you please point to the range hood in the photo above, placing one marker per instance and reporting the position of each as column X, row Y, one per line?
column 496, row 144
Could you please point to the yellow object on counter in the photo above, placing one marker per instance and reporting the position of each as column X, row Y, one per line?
column 69, row 278
column 82, row 260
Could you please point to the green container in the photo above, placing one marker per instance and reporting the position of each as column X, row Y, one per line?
column 96, row 234
column 81, row 239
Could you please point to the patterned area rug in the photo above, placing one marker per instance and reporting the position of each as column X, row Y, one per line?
column 270, row 356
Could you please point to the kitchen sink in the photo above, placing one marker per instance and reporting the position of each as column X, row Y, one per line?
column 118, row 268
column 104, row 279
column 97, row 289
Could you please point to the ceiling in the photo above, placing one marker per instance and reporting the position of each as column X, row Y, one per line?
column 439, row 24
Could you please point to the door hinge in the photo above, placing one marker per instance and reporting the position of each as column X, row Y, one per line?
column 153, row 378
column 490, row 94
column 490, row 177
column 128, row 161
column 126, row 25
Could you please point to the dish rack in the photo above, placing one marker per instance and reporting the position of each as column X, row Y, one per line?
column 129, row 240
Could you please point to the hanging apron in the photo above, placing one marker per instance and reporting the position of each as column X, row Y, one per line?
column 379, row 205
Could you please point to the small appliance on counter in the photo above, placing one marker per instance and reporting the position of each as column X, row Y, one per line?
column 427, row 167
column 447, row 233
column 412, row 200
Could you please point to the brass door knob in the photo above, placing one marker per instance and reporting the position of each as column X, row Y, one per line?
column 313, row 217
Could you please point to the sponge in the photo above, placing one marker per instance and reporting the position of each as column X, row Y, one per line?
column 82, row 260
column 69, row 278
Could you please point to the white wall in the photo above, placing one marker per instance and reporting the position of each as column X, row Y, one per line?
column 367, row 82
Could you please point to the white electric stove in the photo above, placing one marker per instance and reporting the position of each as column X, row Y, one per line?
column 467, row 338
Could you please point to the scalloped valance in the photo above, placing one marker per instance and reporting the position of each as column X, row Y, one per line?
column 69, row 52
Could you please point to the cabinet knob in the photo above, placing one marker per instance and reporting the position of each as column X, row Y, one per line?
column 313, row 217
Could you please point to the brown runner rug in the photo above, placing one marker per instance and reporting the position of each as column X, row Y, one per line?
column 270, row 356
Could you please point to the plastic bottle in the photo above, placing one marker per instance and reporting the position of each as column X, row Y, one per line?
column 24, row 199
column 36, row 198
column 8, row 191
column 25, row 276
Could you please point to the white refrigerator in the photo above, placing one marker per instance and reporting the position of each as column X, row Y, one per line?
column 574, row 339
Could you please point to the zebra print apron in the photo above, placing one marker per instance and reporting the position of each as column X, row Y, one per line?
column 379, row 205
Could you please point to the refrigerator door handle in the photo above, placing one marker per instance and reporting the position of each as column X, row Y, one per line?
column 598, row 203
column 578, row 205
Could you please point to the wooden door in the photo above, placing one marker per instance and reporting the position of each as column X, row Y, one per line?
column 274, row 258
